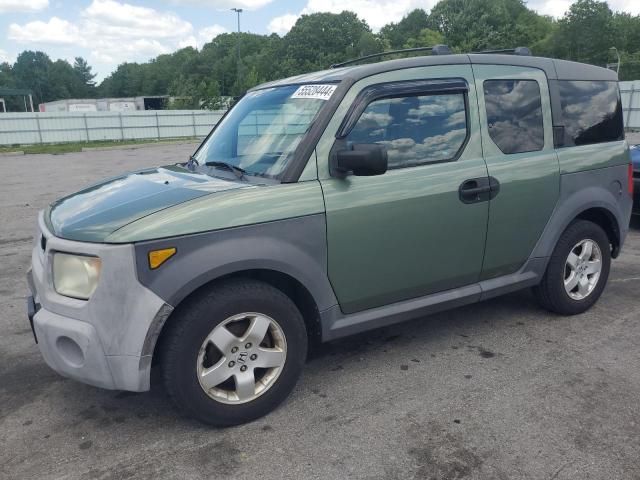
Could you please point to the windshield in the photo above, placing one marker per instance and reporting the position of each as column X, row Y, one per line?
column 261, row 132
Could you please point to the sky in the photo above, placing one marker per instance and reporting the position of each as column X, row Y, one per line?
column 109, row 32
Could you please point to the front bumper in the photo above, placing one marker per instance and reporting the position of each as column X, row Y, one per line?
column 106, row 341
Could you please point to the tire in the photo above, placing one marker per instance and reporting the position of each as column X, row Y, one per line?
column 190, row 366
column 556, row 292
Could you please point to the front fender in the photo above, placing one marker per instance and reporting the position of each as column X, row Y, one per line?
column 296, row 247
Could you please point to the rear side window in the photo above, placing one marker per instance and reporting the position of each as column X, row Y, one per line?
column 514, row 115
column 415, row 129
column 591, row 112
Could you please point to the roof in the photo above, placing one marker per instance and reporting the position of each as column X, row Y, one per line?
column 554, row 69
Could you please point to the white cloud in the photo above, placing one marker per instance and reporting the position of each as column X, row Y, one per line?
column 554, row 8
column 205, row 35
column 5, row 57
column 629, row 6
column 189, row 41
column 209, row 33
column 122, row 20
column 282, row 24
column 113, row 32
column 557, row 8
column 224, row 4
column 377, row 13
column 23, row 5
column 56, row 31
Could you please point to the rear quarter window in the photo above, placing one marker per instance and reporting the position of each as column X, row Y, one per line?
column 591, row 112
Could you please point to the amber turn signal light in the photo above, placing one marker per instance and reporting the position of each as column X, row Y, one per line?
column 158, row 257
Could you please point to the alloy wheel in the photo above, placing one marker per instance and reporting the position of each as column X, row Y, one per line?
column 241, row 358
column 582, row 269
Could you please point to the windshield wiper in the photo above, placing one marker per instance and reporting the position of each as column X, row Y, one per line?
column 237, row 171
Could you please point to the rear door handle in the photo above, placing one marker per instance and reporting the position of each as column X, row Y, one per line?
column 478, row 189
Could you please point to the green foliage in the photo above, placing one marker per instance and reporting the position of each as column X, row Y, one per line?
column 202, row 78
column 83, row 70
column 46, row 79
column 319, row 40
column 586, row 32
column 474, row 25
column 425, row 38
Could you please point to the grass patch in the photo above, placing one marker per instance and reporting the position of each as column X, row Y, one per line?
column 59, row 148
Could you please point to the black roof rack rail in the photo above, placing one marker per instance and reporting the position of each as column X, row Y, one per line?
column 524, row 51
column 435, row 50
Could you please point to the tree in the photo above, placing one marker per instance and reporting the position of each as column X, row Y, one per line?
column 585, row 33
column 321, row 39
column 64, row 82
column 369, row 44
column 83, row 71
column 425, row 38
column 472, row 25
column 6, row 75
column 31, row 71
column 395, row 35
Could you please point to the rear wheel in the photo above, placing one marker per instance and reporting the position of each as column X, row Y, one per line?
column 578, row 270
column 235, row 353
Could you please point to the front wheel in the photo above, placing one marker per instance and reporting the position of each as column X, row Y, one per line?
column 578, row 270
column 235, row 353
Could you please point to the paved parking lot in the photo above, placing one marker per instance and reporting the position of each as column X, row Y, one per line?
column 499, row 390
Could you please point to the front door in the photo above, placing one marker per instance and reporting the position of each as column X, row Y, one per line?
column 411, row 231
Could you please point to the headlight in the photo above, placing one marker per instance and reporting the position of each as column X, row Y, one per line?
column 75, row 275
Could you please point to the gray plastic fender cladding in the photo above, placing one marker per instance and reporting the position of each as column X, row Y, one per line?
column 296, row 247
column 581, row 191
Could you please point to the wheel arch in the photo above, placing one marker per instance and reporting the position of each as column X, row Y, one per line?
column 606, row 220
column 291, row 286
column 594, row 195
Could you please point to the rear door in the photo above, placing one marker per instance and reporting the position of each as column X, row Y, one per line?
column 406, row 233
column 517, row 142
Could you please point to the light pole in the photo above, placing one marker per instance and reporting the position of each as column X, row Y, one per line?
column 238, row 11
column 609, row 65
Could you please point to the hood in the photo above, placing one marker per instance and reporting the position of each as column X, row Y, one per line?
column 90, row 215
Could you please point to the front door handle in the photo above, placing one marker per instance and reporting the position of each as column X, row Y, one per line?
column 478, row 189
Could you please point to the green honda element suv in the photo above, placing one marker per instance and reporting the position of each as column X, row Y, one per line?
column 331, row 203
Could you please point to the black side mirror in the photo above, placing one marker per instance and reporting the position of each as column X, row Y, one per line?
column 364, row 159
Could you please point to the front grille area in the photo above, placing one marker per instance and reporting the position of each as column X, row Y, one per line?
column 43, row 242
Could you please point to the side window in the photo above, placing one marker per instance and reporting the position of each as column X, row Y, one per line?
column 591, row 112
column 514, row 115
column 415, row 129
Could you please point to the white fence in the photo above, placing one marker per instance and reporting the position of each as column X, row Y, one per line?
column 58, row 127
column 630, row 93
column 49, row 127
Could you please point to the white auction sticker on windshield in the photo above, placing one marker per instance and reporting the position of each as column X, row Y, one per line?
column 321, row 92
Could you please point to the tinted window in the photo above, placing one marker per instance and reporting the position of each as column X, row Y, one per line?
column 591, row 112
column 416, row 129
column 514, row 115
